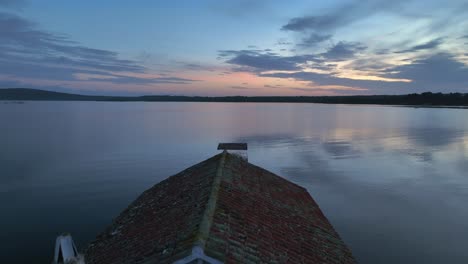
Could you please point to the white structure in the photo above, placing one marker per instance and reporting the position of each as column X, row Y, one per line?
column 66, row 252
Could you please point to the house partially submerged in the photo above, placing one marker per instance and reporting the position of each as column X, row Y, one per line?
column 222, row 210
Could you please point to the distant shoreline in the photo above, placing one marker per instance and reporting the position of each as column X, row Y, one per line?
column 437, row 100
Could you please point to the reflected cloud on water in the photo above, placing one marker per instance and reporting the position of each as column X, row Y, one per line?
column 340, row 149
column 389, row 183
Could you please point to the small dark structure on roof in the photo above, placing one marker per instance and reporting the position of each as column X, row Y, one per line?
column 239, row 149
column 232, row 146
column 222, row 210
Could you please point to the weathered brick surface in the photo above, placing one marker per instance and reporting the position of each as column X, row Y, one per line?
column 258, row 217
column 263, row 218
column 161, row 224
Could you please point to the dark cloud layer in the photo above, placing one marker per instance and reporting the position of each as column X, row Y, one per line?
column 322, row 25
column 313, row 39
column 22, row 41
column 255, row 60
column 28, row 52
column 197, row 67
column 134, row 80
column 341, row 16
column 429, row 45
column 439, row 69
column 440, row 73
column 261, row 60
column 240, row 87
column 368, row 64
column 343, row 51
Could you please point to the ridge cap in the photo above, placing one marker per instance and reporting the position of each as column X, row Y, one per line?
column 208, row 214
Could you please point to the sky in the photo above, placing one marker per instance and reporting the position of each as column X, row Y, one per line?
column 224, row 48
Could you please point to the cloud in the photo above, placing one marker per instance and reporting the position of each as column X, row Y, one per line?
column 267, row 64
column 21, row 41
column 254, row 60
column 134, row 80
column 341, row 16
column 272, row 86
column 411, row 20
column 313, row 39
column 324, row 79
column 344, row 90
column 436, row 70
column 438, row 73
column 172, row 80
column 10, row 83
column 31, row 53
column 240, row 87
column 361, row 67
column 27, row 70
column 368, row 64
column 324, row 24
column 307, row 23
column 429, row 45
column 197, row 67
column 283, row 42
column 343, row 51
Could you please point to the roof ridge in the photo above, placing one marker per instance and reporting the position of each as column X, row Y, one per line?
column 208, row 214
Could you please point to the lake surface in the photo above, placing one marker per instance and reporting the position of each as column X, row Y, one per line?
column 393, row 181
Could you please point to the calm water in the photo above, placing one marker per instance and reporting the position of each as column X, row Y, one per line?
column 392, row 180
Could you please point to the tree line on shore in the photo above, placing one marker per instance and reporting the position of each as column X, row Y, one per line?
column 422, row 99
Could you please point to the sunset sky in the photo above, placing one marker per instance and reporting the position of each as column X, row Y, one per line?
column 235, row 47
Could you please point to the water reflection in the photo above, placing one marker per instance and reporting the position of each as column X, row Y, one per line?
column 340, row 149
column 434, row 137
column 385, row 192
column 393, row 181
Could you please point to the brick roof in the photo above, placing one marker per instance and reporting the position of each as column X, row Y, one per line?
column 229, row 209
